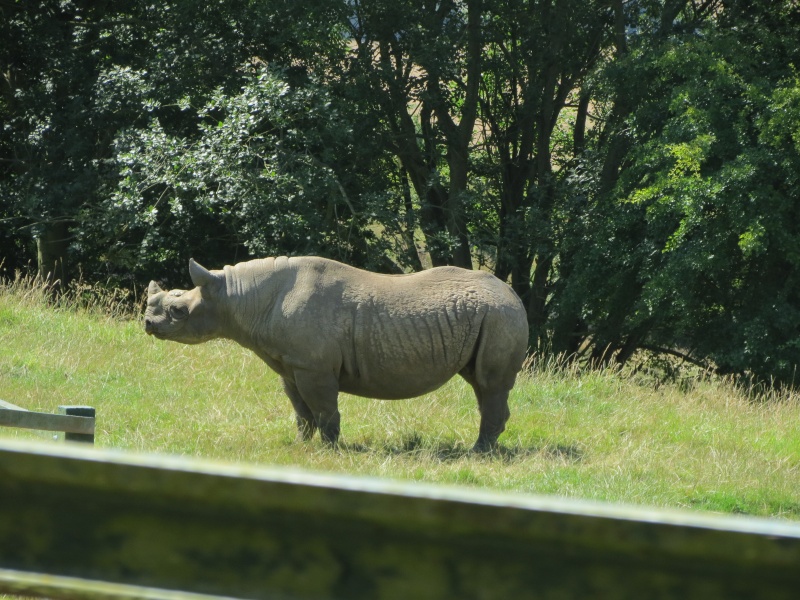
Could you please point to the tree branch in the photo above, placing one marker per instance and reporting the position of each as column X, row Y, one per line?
column 676, row 353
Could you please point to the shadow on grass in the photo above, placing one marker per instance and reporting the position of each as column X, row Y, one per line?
column 414, row 445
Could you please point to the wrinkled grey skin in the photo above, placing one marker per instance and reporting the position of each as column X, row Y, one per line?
column 326, row 327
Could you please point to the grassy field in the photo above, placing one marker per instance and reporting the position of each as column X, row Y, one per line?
column 595, row 435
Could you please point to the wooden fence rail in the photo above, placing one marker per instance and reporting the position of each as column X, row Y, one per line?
column 87, row 523
column 77, row 423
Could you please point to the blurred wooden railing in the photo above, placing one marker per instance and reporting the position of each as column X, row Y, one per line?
column 80, row 522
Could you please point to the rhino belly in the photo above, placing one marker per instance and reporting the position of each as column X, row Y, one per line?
column 396, row 370
column 389, row 384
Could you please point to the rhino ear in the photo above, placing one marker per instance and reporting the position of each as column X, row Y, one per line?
column 153, row 289
column 202, row 277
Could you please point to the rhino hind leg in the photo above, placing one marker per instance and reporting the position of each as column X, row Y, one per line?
column 493, row 405
column 320, row 393
column 498, row 357
column 306, row 424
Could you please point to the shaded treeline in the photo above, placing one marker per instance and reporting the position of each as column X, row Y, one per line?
column 631, row 168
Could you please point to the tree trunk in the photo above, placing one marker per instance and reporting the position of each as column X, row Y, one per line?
column 456, row 223
column 579, row 132
column 409, row 223
column 459, row 137
column 537, row 303
column 51, row 252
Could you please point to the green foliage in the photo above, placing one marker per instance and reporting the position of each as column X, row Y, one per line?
column 629, row 167
column 80, row 74
column 259, row 170
column 698, row 238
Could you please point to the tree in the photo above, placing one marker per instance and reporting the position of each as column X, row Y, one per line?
column 262, row 173
column 76, row 73
column 534, row 105
column 630, row 167
column 688, row 240
column 47, row 169
column 418, row 64
column 474, row 97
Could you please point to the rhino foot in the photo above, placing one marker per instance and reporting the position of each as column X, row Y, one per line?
column 485, row 446
column 330, row 434
column 305, row 429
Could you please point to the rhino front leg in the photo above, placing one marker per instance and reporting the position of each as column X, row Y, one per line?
column 320, row 391
column 306, row 425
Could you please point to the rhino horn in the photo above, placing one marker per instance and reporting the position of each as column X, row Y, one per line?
column 202, row 276
column 153, row 289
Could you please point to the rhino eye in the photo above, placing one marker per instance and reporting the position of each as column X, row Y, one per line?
column 178, row 312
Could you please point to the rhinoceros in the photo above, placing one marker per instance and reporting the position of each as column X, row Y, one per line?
column 326, row 327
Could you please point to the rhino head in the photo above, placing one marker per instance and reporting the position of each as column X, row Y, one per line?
column 186, row 316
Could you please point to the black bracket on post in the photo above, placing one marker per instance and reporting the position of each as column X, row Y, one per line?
column 78, row 411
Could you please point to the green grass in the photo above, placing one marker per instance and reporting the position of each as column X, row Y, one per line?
column 595, row 435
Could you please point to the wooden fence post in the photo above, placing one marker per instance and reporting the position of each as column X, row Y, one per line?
column 75, row 423
column 78, row 411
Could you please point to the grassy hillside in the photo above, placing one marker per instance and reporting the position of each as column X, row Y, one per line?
column 591, row 435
